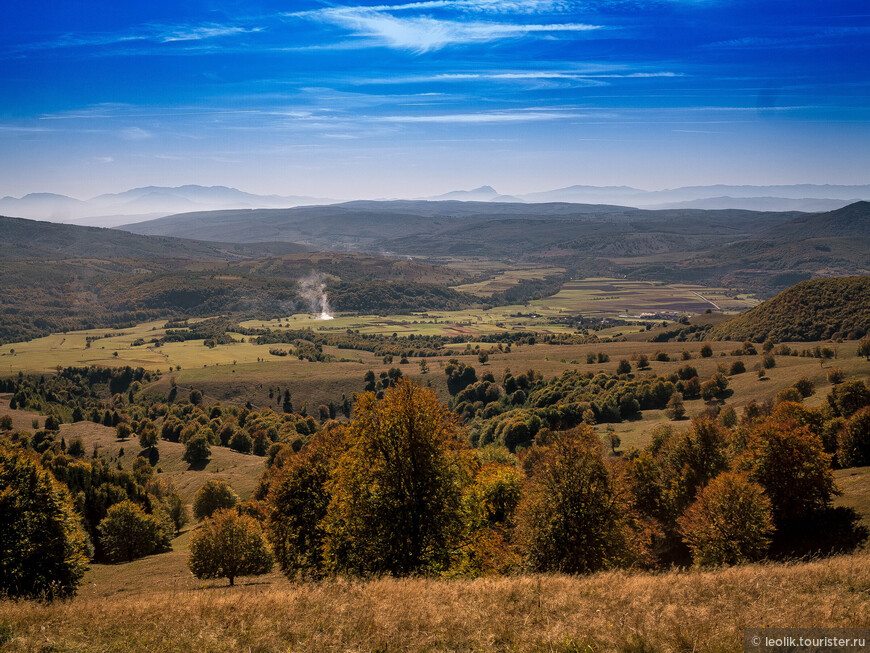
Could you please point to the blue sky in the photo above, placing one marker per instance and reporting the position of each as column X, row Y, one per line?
column 368, row 99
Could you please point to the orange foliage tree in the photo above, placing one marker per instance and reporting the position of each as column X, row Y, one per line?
column 789, row 462
column 729, row 523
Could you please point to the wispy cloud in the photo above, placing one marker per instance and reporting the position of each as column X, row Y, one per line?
column 471, row 6
column 484, row 117
column 152, row 33
column 376, row 26
column 135, row 134
column 582, row 78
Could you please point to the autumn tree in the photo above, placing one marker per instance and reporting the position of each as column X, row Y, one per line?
column 789, row 462
column 573, row 520
column 853, row 440
column 675, row 409
column 42, row 544
column 297, row 501
column 847, row 398
column 729, row 523
column 214, row 495
column 229, row 545
column 128, row 532
column 396, row 491
column 666, row 477
column 196, row 450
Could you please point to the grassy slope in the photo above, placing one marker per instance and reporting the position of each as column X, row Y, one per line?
column 622, row 610
column 240, row 470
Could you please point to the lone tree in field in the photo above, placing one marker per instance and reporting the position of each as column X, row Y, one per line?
column 229, row 545
column 396, row 491
column 215, row 495
column 42, row 546
column 128, row 532
column 864, row 347
column 197, row 450
column 730, row 522
column 675, row 409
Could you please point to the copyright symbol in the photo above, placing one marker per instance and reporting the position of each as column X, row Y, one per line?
column 756, row 641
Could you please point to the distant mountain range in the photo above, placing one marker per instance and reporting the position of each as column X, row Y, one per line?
column 150, row 202
column 797, row 197
column 146, row 203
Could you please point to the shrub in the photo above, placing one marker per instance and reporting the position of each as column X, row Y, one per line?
column 805, row 386
column 43, row 546
column 706, row 351
column 737, row 367
column 836, row 375
column 229, row 545
column 789, row 394
column 624, row 367
column 214, row 495
column 729, row 523
column 128, row 532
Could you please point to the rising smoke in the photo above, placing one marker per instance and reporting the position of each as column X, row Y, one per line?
column 313, row 290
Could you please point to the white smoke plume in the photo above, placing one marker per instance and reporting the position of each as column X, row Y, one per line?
column 313, row 290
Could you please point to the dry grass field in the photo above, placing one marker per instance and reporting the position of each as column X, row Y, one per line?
column 679, row 611
column 212, row 370
column 155, row 604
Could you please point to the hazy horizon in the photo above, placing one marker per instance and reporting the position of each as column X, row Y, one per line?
column 415, row 99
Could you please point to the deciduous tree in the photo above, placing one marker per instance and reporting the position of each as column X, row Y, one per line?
column 214, row 495
column 729, row 523
column 572, row 519
column 42, row 544
column 128, row 532
column 229, row 545
column 789, row 462
column 396, row 492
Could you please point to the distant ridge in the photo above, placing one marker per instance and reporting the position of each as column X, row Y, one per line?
column 21, row 238
column 155, row 201
column 104, row 210
column 848, row 222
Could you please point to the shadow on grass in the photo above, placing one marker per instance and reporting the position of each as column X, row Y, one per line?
column 829, row 532
column 226, row 585
column 198, row 466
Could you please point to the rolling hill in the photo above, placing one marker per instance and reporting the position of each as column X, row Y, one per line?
column 445, row 228
column 848, row 222
column 20, row 238
column 815, row 309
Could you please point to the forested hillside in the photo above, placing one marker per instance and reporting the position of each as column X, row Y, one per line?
column 816, row 309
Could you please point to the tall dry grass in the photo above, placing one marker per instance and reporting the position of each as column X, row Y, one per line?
column 620, row 610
